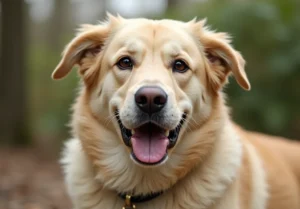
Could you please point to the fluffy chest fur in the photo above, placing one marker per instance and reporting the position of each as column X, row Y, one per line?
column 205, row 185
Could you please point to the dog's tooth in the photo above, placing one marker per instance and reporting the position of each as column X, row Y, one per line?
column 132, row 131
column 167, row 133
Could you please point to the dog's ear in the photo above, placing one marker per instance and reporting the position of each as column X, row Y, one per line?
column 88, row 42
column 84, row 47
column 221, row 57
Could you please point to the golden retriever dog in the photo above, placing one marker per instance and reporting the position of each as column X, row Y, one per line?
column 151, row 129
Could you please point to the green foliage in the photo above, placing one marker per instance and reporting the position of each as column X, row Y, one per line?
column 267, row 34
column 49, row 100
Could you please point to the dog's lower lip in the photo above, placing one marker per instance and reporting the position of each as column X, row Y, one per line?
column 172, row 137
column 143, row 163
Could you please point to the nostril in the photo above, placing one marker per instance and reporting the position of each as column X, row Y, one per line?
column 159, row 100
column 142, row 100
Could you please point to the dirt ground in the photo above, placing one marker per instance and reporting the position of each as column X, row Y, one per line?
column 31, row 181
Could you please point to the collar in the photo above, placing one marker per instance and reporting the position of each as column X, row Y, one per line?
column 140, row 198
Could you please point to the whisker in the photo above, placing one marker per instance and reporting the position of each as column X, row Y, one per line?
column 187, row 124
column 108, row 119
column 194, row 121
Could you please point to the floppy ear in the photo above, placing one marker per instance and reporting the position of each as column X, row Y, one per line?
column 222, row 58
column 88, row 42
column 85, row 46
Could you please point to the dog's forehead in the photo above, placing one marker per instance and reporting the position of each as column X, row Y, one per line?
column 168, row 35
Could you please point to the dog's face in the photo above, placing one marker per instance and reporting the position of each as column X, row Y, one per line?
column 151, row 85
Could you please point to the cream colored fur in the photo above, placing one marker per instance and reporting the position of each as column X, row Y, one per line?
column 214, row 165
column 209, row 181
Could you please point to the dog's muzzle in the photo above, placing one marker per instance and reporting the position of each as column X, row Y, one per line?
column 150, row 140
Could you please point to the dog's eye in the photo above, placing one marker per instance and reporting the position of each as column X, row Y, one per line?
column 125, row 63
column 179, row 66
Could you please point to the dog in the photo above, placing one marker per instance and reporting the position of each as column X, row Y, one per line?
column 151, row 129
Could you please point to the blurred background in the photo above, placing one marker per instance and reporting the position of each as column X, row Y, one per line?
column 34, row 109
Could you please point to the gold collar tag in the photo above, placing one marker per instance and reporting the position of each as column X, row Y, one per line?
column 128, row 204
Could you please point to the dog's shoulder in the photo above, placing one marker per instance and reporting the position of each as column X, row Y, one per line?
column 277, row 158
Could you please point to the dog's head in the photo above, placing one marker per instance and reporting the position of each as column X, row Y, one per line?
column 150, row 102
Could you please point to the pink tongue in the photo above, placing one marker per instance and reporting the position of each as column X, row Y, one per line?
column 149, row 147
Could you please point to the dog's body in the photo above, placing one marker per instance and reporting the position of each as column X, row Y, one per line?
column 151, row 117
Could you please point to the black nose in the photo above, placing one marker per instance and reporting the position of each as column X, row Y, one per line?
column 150, row 99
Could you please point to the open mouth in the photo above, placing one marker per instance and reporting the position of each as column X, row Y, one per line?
column 150, row 142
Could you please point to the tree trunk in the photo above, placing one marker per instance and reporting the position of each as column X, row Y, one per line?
column 13, row 124
column 58, row 25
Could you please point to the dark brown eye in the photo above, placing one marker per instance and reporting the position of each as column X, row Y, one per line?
column 125, row 63
column 179, row 66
